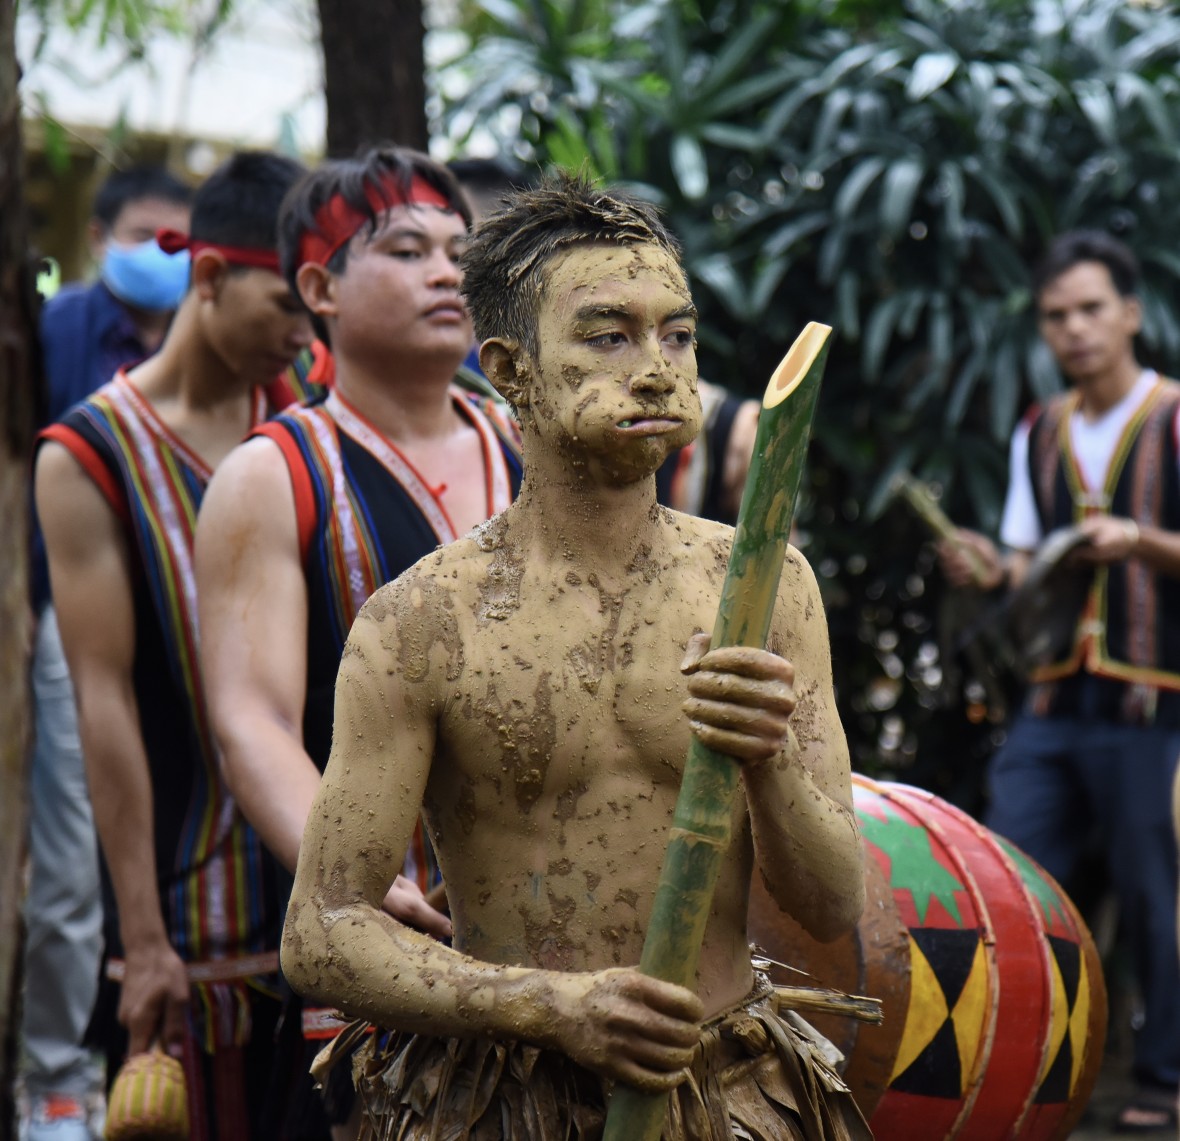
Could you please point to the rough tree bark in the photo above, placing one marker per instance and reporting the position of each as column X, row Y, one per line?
column 18, row 394
column 374, row 73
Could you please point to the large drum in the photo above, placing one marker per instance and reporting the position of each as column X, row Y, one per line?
column 995, row 1007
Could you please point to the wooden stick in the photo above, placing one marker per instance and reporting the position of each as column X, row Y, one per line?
column 700, row 831
column 823, row 1001
column 923, row 504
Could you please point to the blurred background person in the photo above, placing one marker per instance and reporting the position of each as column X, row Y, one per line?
column 1098, row 741
column 708, row 477
column 330, row 501
column 191, row 924
column 88, row 330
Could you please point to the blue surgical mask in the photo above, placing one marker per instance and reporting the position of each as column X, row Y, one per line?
column 145, row 276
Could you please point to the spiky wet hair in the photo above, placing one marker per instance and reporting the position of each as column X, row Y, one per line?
column 505, row 267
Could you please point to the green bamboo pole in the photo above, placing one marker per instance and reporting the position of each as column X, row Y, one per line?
column 701, row 830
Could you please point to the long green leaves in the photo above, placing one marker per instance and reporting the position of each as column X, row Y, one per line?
column 892, row 167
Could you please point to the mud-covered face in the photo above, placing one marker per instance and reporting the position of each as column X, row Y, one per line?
column 615, row 378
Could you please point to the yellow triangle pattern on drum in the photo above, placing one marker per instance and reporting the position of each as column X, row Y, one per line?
column 1058, row 1018
column 1079, row 1025
column 969, row 1015
column 926, row 1012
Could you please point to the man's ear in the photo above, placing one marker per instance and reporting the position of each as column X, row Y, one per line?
column 1135, row 313
column 97, row 235
column 208, row 274
column 317, row 288
column 504, row 365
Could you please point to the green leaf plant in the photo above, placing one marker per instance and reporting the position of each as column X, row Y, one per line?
column 893, row 168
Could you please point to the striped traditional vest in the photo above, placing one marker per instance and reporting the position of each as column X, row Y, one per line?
column 1129, row 631
column 364, row 515
column 216, row 883
column 308, row 378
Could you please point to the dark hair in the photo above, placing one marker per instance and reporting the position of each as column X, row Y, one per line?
column 351, row 178
column 505, row 266
column 1077, row 246
column 134, row 185
column 238, row 204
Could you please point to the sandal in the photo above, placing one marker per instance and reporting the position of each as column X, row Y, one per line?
column 1149, row 1111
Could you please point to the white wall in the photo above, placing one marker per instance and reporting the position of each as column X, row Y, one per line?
column 259, row 83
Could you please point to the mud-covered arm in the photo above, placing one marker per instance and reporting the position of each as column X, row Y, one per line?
column 806, row 837
column 340, row 948
column 775, row 714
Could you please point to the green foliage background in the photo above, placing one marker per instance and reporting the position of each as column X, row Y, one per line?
column 892, row 168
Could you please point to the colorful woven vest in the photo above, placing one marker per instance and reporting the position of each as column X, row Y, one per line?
column 217, row 889
column 1130, row 627
column 365, row 515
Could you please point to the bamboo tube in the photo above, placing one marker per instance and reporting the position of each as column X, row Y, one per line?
column 700, row 832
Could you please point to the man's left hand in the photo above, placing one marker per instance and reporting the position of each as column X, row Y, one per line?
column 1111, row 539
column 740, row 699
column 406, row 903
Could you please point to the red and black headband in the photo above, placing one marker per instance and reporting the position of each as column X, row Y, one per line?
column 337, row 221
column 173, row 241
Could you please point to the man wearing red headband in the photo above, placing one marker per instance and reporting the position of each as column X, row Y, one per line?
column 331, row 501
column 192, row 913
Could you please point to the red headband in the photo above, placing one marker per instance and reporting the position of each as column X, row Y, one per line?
column 336, row 221
column 173, row 241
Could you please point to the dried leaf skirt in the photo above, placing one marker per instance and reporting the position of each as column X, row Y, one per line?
column 758, row 1075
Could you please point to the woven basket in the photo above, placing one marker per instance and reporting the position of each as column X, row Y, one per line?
column 148, row 1100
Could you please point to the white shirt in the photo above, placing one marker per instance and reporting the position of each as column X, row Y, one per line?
column 1093, row 443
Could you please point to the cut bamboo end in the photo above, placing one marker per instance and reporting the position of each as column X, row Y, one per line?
column 793, row 367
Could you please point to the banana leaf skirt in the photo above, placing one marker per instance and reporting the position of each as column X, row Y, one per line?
column 760, row 1074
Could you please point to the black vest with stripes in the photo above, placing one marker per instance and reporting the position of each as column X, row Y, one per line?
column 1129, row 632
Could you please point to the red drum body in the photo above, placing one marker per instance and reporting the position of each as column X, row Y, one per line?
column 995, row 1007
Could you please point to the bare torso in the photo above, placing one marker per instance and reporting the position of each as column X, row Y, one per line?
column 561, row 744
column 525, row 686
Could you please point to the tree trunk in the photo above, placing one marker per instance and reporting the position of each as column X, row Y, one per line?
column 18, row 371
column 374, row 73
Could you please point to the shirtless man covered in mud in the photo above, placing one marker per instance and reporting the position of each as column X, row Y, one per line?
column 534, row 686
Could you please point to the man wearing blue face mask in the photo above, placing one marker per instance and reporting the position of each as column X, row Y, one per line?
column 87, row 331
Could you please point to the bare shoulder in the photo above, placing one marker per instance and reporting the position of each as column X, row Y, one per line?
column 711, row 543
column 708, row 541
column 255, row 460
column 249, row 484
column 449, row 575
column 56, row 466
column 418, row 622
column 799, row 612
column 74, row 513
column 798, row 573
